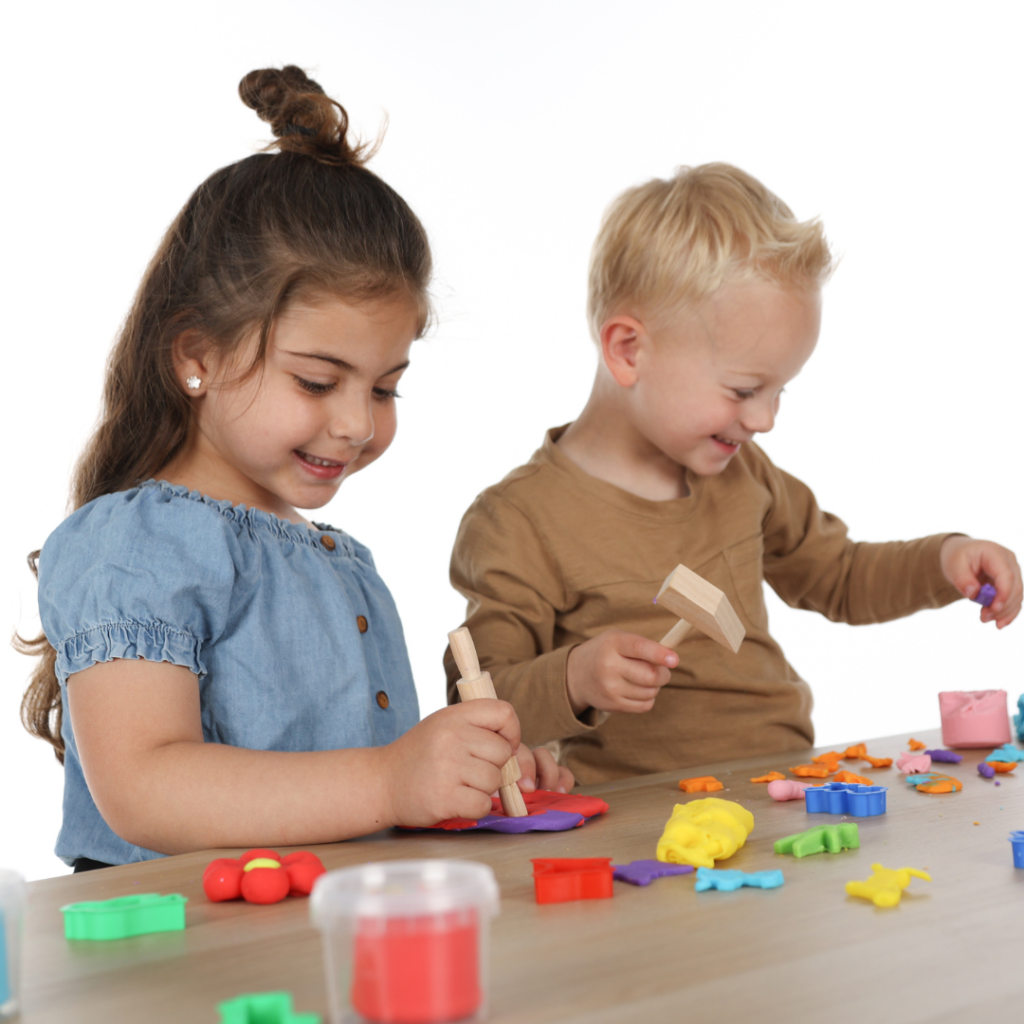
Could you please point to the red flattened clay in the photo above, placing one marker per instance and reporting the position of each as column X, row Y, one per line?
column 770, row 777
column 915, row 744
column 858, row 752
column 303, row 868
column 813, row 771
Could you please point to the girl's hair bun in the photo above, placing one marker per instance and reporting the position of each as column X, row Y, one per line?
column 302, row 117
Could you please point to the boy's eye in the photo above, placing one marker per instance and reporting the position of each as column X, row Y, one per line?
column 384, row 394
column 743, row 392
column 314, row 387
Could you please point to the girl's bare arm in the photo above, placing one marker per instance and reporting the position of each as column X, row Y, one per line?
column 160, row 786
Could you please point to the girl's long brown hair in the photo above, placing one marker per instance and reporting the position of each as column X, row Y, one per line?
column 310, row 216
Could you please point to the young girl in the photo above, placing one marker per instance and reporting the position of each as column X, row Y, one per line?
column 217, row 671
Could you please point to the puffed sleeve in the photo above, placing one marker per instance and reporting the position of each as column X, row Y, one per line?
column 139, row 574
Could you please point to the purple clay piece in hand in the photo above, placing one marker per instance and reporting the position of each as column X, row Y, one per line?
column 985, row 596
column 949, row 756
column 643, row 872
column 986, row 769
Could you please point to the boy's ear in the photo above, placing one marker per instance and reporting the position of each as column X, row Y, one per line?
column 190, row 353
column 621, row 339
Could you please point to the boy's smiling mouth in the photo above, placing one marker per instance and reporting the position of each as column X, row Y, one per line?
column 726, row 443
column 322, row 469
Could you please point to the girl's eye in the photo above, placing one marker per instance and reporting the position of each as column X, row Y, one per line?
column 385, row 394
column 743, row 393
column 314, row 387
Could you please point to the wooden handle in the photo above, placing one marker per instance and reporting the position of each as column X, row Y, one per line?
column 475, row 684
column 464, row 653
column 674, row 637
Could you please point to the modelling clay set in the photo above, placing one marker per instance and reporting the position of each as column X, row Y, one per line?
column 408, row 940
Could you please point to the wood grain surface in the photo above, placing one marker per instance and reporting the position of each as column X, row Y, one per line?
column 805, row 952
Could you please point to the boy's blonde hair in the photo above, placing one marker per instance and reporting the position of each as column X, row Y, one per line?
column 666, row 245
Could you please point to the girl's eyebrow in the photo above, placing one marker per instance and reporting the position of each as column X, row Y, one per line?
column 342, row 363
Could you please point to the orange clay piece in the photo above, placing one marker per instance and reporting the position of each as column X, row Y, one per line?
column 945, row 784
column 915, row 744
column 878, row 762
column 832, row 757
column 813, row 771
column 1003, row 766
column 858, row 752
column 701, row 784
column 850, row 777
column 770, row 777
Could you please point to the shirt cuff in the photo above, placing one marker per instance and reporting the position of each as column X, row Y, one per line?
column 150, row 641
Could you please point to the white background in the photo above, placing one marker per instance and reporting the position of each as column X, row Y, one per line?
column 511, row 128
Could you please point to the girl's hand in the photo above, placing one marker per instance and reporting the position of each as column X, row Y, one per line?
column 448, row 765
column 969, row 563
column 541, row 771
column 617, row 671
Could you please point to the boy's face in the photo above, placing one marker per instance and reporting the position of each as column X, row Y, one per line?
column 711, row 379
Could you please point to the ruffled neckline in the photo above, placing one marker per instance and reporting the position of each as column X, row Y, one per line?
column 254, row 517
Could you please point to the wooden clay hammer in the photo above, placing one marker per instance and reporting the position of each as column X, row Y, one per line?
column 701, row 604
column 472, row 685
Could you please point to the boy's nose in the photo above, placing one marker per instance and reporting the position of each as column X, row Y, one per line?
column 759, row 416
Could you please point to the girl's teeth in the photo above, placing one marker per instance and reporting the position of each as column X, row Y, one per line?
column 318, row 462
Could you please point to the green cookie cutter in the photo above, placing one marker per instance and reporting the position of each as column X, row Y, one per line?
column 125, row 916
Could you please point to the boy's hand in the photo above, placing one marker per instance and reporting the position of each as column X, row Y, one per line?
column 617, row 671
column 448, row 765
column 541, row 771
column 969, row 563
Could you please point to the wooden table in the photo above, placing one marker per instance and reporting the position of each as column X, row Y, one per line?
column 804, row 952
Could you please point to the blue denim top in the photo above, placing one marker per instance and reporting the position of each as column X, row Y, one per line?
column 292, row 637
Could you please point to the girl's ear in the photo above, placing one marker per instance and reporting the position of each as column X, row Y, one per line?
column 621, row 340
column 190, row 354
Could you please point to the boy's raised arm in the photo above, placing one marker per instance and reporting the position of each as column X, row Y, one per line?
column 811, row 563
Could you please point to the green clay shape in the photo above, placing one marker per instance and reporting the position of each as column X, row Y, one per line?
column 264, row 1008
column 833, row 838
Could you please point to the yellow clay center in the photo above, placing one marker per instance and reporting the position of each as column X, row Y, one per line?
column 261, row 862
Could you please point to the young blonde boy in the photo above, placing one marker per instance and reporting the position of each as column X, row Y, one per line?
column 705, row 300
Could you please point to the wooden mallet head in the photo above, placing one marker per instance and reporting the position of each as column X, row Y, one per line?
column 701, row 604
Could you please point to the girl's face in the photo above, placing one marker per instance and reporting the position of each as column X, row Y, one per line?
column 321, row 408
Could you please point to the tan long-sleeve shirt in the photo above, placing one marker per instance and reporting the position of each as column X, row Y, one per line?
column 551, row 557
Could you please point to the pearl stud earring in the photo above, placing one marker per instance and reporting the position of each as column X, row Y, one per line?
column 193, row 383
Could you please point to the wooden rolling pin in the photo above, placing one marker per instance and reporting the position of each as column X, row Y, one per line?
column 472, row 685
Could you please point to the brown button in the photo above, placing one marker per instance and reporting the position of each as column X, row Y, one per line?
column 382, row 699
column 363, row 627
column 328, row 542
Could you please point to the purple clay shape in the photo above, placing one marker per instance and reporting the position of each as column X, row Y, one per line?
column 643, row 872
column 985, row 596
column 986, row 769
column 549, row 821
column 949, row 756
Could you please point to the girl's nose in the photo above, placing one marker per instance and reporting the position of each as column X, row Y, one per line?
column 353, row 423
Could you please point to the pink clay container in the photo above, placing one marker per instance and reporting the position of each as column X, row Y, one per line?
column 974, row 718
